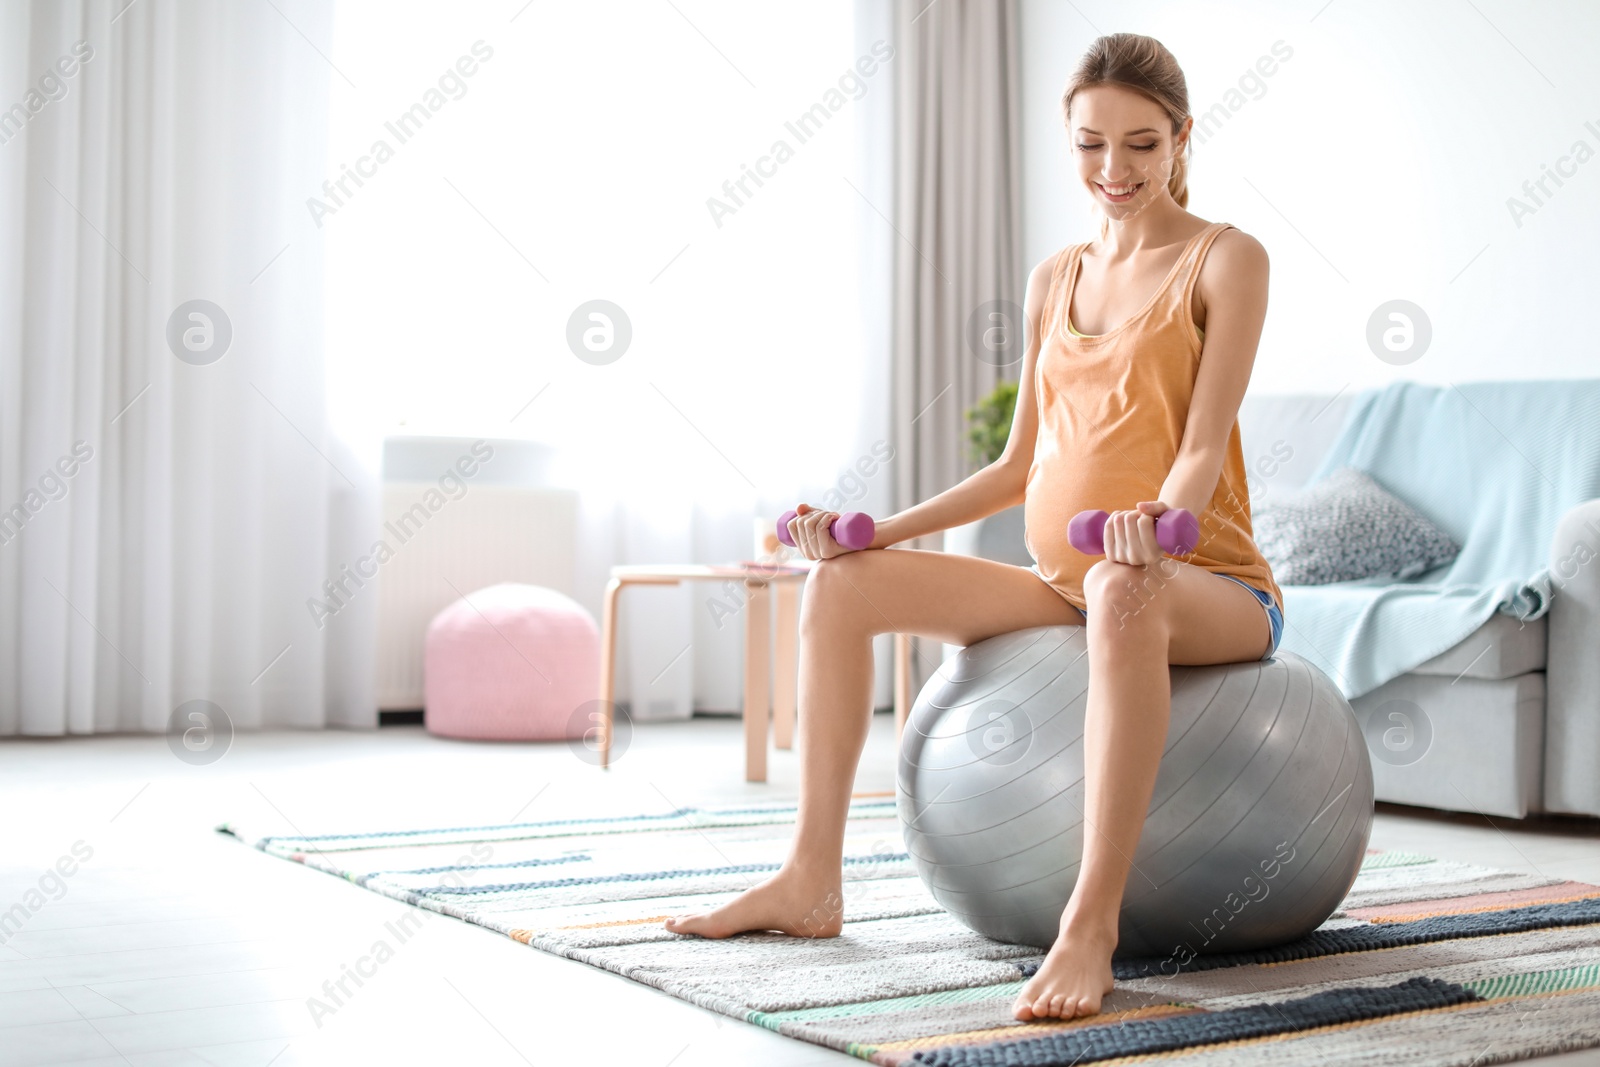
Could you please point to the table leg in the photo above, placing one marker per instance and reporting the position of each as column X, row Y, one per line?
column 902, row 682
column 608, row 656
column 785, row 663
column 757, row 664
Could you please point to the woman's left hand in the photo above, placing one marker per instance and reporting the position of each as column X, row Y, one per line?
column 1130, row 536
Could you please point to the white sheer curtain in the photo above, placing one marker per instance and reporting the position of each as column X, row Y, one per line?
column 579, row 152
column 168, row 503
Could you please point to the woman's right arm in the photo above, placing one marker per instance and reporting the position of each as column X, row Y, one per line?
column 1002, row 483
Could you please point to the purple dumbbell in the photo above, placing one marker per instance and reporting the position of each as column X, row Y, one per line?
column 1177, row 532
column 853, row 529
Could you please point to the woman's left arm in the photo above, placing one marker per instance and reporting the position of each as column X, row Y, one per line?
column 1233, row 288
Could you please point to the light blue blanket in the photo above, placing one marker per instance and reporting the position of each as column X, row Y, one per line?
column 1494, row 464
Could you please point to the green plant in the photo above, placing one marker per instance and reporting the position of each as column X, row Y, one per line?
column 990, row 423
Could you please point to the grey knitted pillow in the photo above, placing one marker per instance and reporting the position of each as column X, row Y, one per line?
column 1345, row 527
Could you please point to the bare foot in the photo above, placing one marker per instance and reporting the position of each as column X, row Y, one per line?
column 1075, row 974
column 790, row 902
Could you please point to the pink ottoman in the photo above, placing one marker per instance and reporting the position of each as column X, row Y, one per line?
column 511, row 663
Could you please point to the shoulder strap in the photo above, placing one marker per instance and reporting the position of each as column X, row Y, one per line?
column 1196, row 256
column 1054, row 295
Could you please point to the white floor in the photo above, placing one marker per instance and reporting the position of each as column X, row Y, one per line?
column 171, row 944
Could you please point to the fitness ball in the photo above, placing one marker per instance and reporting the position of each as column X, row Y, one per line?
column 1257, row 826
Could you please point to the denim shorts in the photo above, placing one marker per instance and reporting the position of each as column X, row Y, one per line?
column 1274, row 615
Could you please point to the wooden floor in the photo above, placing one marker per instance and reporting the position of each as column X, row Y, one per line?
column 171, row 944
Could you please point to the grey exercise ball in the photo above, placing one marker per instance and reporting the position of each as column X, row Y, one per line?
column 1257, row 826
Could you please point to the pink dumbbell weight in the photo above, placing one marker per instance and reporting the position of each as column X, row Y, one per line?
column 853, row 529
column 1177, row 532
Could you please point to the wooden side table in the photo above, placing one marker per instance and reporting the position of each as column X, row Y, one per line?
column 760, row 666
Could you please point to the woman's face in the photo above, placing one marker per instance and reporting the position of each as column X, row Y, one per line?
column 1123, row 147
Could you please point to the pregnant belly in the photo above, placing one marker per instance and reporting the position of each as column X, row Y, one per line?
column 1056, row 492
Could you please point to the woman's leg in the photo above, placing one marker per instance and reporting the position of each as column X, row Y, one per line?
column 848, row 600
column 1141, row 619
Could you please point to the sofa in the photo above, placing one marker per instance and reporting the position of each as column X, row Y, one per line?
column 1505, row 722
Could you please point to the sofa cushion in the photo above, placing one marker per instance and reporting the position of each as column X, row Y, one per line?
column 1347, row 527
column 1503, row 647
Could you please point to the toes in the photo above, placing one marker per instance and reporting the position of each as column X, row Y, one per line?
column 686, row 924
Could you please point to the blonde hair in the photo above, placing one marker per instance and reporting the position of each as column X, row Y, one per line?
column 1144, row 65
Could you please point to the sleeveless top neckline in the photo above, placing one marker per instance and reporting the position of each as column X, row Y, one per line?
column 1071, row 270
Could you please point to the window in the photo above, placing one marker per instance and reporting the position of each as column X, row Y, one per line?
column 492, row 167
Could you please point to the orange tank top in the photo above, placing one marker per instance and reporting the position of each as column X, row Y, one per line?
column 1112, row 409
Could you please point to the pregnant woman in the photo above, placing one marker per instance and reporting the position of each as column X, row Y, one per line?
column 1139, row 347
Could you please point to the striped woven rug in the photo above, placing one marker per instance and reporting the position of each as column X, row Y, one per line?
column 1426, row 962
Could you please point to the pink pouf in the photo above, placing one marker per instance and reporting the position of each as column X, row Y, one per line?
column 511, row 663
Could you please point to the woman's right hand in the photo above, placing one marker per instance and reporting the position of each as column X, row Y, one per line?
column 809, row 531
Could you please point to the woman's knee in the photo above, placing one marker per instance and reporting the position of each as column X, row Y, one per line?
column 835, row 593
column 1124, row 594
